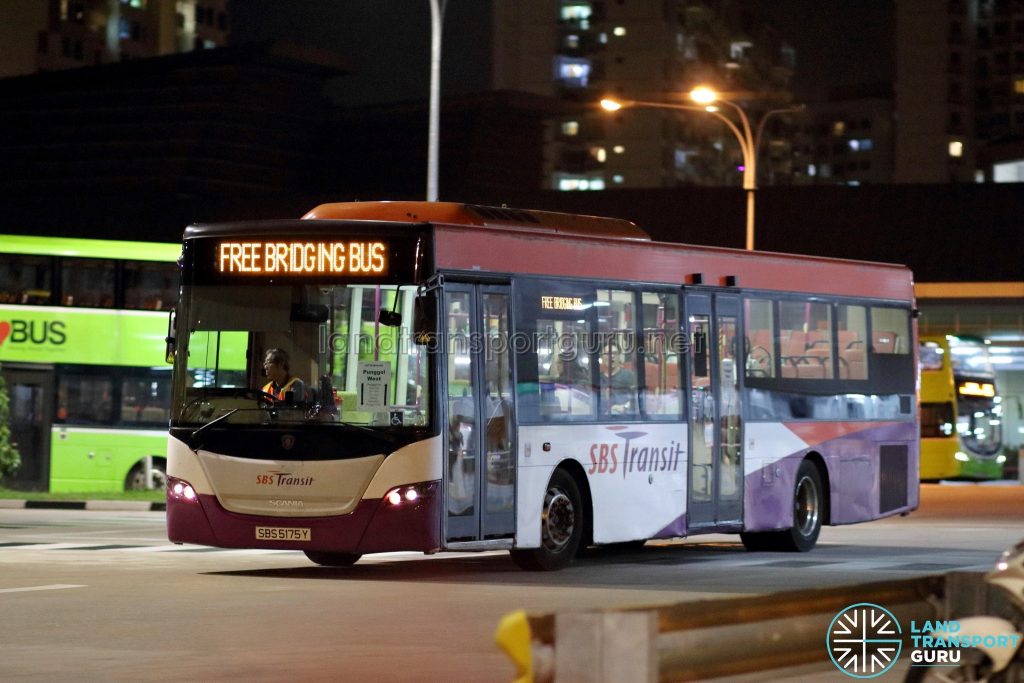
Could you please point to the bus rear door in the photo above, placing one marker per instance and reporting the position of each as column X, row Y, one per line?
column 715, row 488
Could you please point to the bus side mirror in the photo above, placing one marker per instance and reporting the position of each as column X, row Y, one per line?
column 170, row 339
column 424, row 324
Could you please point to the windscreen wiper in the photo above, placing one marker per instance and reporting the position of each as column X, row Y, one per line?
column 195, row 445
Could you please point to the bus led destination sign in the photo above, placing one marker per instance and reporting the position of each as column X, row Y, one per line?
column 562, row 303
column 302, row 258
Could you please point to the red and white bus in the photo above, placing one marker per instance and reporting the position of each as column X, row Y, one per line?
column 480, row 378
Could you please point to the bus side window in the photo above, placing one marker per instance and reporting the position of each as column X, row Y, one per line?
column 890, row 329
column 150, row 286
column 87, row 282
column 86, row 399
column 662, row 392
column 759, row 324
column 25, row 279
column 850, row 341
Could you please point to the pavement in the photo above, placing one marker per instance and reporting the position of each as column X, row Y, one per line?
column 161, row 506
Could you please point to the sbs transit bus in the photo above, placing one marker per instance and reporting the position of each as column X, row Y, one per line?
column 961, row 411
column 82, row 323
column 485, row 378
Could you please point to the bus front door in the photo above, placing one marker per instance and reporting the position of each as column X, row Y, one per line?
column 481, row 453
column 715, row 486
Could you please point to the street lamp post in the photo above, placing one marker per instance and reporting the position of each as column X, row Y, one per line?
column 749, row 139
column 434, row 123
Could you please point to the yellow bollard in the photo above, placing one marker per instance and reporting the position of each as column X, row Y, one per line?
column 513, row 636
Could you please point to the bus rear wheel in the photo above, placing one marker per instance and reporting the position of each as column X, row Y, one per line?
column 326, row 559
column 561, row 527
column 808, row 508
column 136, row 479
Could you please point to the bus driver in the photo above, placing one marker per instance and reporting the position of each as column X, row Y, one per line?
column 282, row 383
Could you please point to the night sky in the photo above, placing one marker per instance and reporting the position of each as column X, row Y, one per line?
column 838, row 42
column 386, row 41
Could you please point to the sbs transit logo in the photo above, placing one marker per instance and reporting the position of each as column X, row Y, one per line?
column 864, row 640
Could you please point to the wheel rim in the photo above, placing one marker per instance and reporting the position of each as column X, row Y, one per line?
column 558, row 520
column 138, row 479
column 806, row 506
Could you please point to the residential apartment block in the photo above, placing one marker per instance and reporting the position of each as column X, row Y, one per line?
column 959, row 90
column 49, row 35
column 653, row 50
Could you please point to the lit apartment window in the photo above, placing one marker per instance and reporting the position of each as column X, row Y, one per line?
column 861, row 145
column 571, row 71
column 579, row 12
column 599, row 153
column 619, row 31
column 956, row 148
column 738, row 49
column 838, row 127
column 567, row 182
column 1008, row 172
column 618, row 179
column 618, row 149
column 570, row 127
column 572, row 41
column 1018, row 86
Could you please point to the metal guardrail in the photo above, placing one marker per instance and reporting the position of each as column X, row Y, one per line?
column 698, row 640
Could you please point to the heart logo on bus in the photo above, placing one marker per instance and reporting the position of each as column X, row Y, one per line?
column 5, row 331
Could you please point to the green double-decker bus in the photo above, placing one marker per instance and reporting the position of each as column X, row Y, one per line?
column 82, row 352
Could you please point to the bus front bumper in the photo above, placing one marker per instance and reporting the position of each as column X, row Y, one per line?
column 388, row 524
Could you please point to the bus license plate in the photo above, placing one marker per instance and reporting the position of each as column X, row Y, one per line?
column 282, row 533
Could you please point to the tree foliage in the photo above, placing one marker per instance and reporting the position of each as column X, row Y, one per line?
column 10, row 459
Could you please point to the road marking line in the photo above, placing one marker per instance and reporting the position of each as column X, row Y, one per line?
column 51, row 587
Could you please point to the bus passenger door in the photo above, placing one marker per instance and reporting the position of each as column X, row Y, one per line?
column 480, row 467
column 715, row 487
column 31, row 406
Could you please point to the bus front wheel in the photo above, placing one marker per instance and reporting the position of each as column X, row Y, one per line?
column 808, row 508
column 561, row 527
column 326, row 559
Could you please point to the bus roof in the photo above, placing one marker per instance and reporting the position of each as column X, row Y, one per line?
column 532, row 242
column 478, row 216
column 478, row 239
column 89, row 248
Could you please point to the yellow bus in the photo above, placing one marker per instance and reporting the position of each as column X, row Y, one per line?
column 961, row 411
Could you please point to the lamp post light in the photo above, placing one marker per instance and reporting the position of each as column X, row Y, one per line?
column 434, row 123
column 748, row 138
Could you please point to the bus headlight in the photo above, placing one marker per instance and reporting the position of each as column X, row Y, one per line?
column 961, row 456
column 181, row 491
column 409, row 494
column 1000, row 459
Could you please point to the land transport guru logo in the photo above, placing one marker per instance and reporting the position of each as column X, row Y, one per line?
column 864, row 640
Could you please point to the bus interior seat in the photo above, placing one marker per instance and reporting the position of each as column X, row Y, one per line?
column 760, row 359
column 884, row 342
column 851, row 356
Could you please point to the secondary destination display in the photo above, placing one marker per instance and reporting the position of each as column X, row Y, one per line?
column 302, row 258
